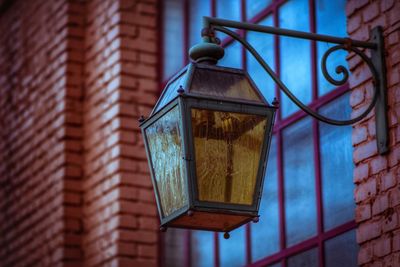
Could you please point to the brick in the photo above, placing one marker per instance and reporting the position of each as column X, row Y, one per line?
column 359, row 135
column 148, row 223
column 365, row 190
column 361, row 171
column 352, row 6
column 378, row 164
column 368, row 230
column 363, row 212
column 386, row 5
column 388, row 181
column 356, row 97
column 354, row 23
column 128, row 262
column 396, row 241
column 147, row 251
column 365, row 151
column 394, row 197
column 390, row 220
column 382, row 247
column 380, row 204
column 365, row 254
column 371, row 11
column 394, row 14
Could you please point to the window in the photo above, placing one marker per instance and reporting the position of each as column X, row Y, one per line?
column 307, row 208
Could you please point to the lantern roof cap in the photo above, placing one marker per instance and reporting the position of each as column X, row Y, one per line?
column 201, row 79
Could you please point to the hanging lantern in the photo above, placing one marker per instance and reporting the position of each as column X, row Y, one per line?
column 207, row 141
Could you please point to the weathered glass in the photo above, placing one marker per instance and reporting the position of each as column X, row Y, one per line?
column 266, row 231
column 202, row 244
column 263, row 43
column 227, row 150
column 164, row 143
column 172, row 26
column 197, row 9
column 299, row 182
column 254, row 6
column 295, row 55
column 223, row 84
column 174, row 248
column 342, row 250
column 307, row 258
column 234, row 51
column 336, row 165
column 330, row 20
column 233, row 250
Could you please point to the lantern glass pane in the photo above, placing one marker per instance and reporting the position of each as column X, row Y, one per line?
column 224, row 84
column 227, row 148
column 164, row 138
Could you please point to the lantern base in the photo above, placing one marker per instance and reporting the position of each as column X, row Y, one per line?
column 211, row 221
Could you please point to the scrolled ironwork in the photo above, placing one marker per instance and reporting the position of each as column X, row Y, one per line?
column 339, row 69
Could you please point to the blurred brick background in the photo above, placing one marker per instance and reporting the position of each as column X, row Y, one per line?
column 75, row 189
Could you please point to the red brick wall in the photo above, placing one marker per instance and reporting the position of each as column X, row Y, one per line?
column 40, row 129
column 120, row 214
column 74, row 184
column 377, row 178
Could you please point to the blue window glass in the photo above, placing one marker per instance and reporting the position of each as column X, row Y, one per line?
column 255, row 6
column 233, row 56
column 174, row 247
column 295, row 55
column 232, row 250
column 265, row 233
column 228, row 9
column 202, row 244
column 308, row 258
column 197, row 9
column 173, row 37
column 264, row 44
column 275, row 265
column 336, row 156
column 299, row 182
column 342, row 251
column 331, row 20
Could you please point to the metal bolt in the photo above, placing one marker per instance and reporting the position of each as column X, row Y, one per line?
column 190, row 213
column 180, row 90
column 227, row 235
column 141, row 119
column 163, row 229
column 256, row 219
column 275, row 102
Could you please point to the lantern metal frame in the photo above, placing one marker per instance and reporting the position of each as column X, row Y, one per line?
column 185, row 100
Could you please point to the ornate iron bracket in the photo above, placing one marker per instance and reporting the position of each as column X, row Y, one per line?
column 375, row 63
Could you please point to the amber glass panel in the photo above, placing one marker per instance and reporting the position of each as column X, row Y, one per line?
column 227, row 148
column 223, row 84
column 164, row 143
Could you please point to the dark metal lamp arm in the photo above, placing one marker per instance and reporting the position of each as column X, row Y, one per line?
column 375, row 63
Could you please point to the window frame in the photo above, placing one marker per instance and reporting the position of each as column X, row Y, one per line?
column 317, row 101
